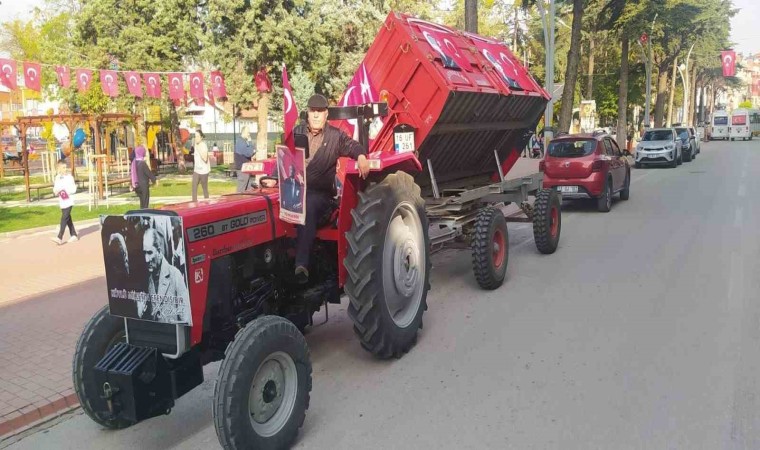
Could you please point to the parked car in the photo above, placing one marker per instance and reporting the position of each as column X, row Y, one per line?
column 688, row 143
column 587, row 166
column 659, row 146
column 698, row 135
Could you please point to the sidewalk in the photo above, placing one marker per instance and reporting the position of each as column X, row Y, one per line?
column 49, row 293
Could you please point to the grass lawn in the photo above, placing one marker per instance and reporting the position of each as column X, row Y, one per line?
column 21, row 218
column 173, row 188
column 19, row 181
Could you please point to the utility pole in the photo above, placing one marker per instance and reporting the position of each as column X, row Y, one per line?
column 471, row 16
column 547, row 17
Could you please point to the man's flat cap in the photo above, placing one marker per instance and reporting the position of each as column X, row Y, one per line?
column 317, row 101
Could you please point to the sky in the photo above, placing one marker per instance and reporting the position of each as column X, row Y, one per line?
column 744, row 26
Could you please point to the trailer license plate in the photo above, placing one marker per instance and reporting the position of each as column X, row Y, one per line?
column 568, row 189
column 404, row 141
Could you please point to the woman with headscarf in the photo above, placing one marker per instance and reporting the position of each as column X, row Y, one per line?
column 142, row 177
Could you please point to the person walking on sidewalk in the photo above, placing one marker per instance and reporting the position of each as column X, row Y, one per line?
column 64, row 188
column 142, row 177
column 201, row 166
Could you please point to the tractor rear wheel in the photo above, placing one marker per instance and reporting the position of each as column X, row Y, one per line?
column 547, row 220
column 388, row 264
column 490, row 248
column 102, row 332
column 262, row 391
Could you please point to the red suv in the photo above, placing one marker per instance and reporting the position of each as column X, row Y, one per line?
column 587, row 166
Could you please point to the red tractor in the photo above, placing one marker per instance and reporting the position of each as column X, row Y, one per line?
column 194, row 283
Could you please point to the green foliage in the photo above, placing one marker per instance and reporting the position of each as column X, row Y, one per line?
column 746, row 104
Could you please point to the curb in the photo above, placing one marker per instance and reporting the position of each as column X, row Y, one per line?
column 37, row 415
column 45, row 229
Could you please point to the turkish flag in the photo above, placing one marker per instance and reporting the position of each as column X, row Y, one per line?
column 644, row 39
column 32, row 75
column 64, row 76
column 196, row 86
column 217, row 84
column 109, row 83
column 152, row 84
column 729, row 63
column 134, row 85
column 210, row 94
column 176, row 86
column 8, row 73
column 444, row 44
column 84, row 78
column 359, row 91
column 291, row 112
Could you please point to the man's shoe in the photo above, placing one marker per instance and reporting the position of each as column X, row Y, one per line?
column 57, row 241
column 302, row 275
column 73, row 239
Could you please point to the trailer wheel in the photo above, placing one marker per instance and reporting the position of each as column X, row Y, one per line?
column 262, row 391
column 547, row 221
column 490, row 248
column 388, row 264
column 102, row 332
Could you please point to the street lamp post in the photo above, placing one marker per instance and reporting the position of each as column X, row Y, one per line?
column 683, row 69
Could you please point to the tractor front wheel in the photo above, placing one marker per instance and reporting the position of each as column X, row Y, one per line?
column 262, row 391
column 388, row 265
column 102, row 332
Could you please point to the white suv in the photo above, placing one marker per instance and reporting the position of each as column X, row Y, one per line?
column 659, row 146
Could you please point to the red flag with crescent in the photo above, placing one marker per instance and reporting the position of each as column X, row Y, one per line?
column 32, row 75
column 217, row 84
column 196, row 86
column 109, row 83
column 84, row 79
column 176, row 86
column 729, row 63
column 152, row 84
column 8, row 73
column 64, row 76
column 134, row 84
column 210, row 94
column 291, row 112
column 444, row 44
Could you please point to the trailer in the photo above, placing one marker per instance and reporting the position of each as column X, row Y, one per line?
column 443, row 115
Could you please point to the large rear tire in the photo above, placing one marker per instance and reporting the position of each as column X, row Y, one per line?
column 388, row 265
column 262, row 391
column 547, row 220
column 102, row 332
column 490, row 248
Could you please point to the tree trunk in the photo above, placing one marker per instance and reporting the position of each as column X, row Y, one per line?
column 662, row 92
column 622, row 93
column 571, row 74
column 262, row 135
column 671, row 99
column 177, row 146
column 590, row 86
column 471, row 16
column 692, row 95
column 701, row 118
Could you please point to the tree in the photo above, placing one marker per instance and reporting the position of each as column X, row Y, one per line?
column 571, row 73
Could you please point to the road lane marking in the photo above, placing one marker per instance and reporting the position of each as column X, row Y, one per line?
column 742, row 191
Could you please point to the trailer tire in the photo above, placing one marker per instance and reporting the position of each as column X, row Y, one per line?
column 547, row 220
column 262, row 391
column 388, row 264
column 102, row 332
column 490, row 248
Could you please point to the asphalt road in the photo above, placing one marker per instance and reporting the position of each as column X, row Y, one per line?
column 642, row 331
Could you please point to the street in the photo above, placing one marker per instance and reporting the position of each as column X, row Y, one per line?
column 641, row 331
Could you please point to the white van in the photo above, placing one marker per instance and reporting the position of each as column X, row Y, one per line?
column 719, row 125
column 744, row 122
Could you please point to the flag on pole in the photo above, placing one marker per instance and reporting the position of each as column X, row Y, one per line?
column 290, row 109
column 729, row 63
column 32, row 75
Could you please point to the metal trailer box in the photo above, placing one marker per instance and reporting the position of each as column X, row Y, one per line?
column 466, row 96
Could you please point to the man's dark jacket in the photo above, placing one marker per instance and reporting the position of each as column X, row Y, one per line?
column 320, row 173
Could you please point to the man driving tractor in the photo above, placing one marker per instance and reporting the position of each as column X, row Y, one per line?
column 326, row 144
